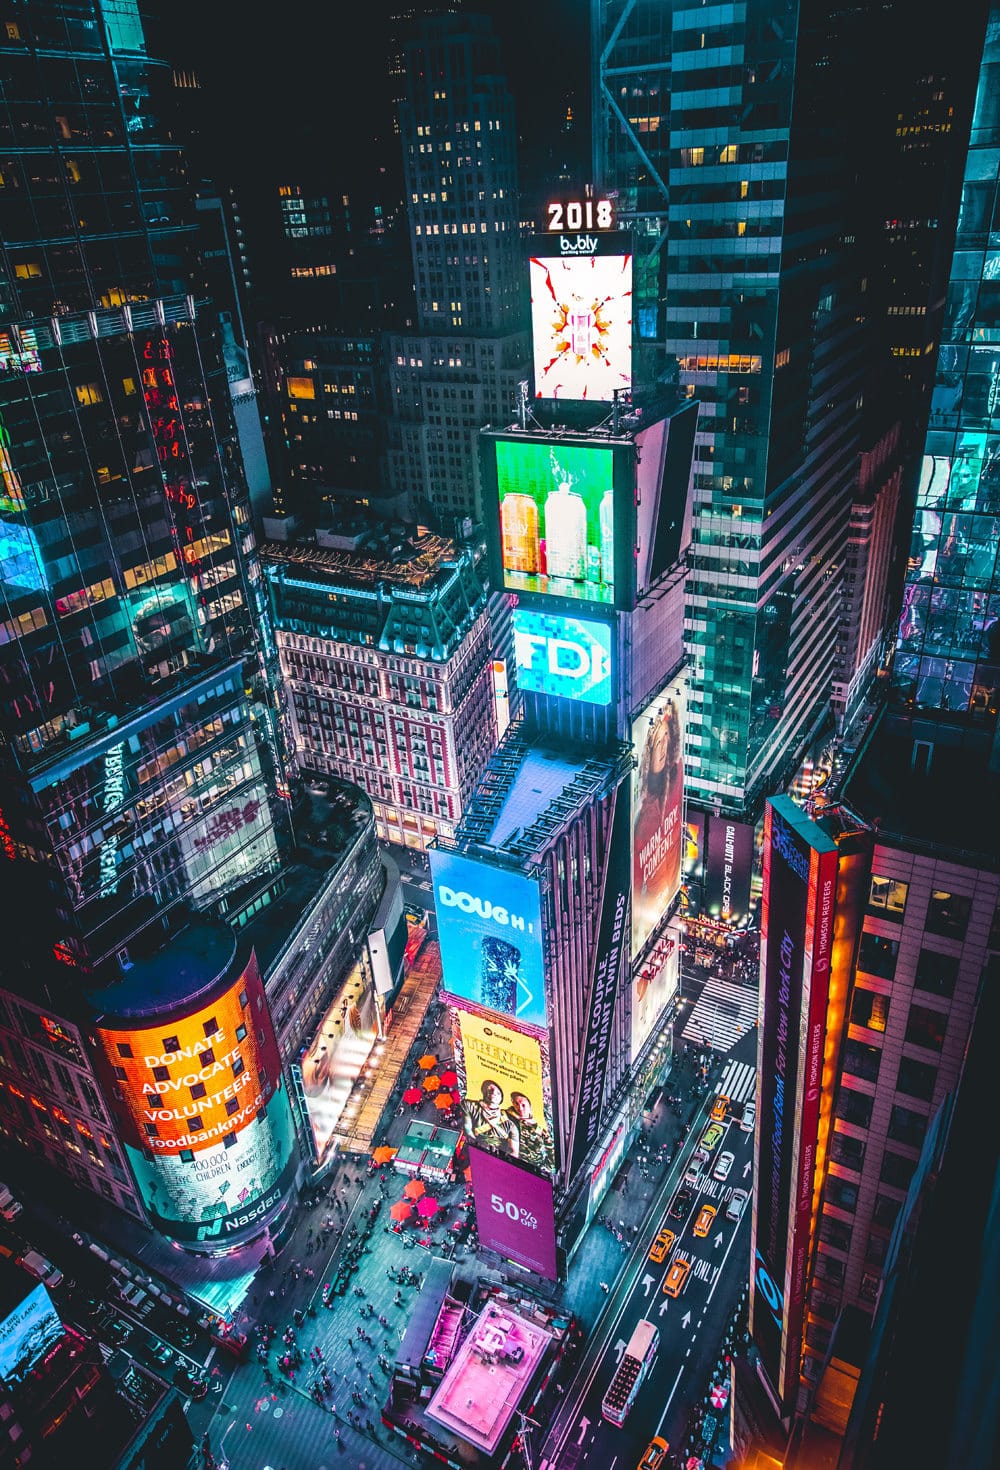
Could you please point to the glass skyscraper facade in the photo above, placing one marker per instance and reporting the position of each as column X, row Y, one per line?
column 948, row 652
column 137, row 769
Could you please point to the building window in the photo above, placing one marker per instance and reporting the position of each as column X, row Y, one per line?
column 847, row 1150
column 206, row 1058
column 948, row 915
column 926, row 1027
column 887, row 897
column 229, row 1140
column 232, row 1106
column 885, row 1211
column 124, row 1049
column 877, row 956
column 907, row 1127
column 936, row 973
column 243, row 1000
column 841, row 1193
column 170, row 1043
column 88, row 393
column 897, row 1171
column 916, row 1079
column 869, row 1009
column 198, row 1090
column 854, row 1107
column 195, row 1125
column 862, row 1060
column 835, row 1232
column 210, row 1027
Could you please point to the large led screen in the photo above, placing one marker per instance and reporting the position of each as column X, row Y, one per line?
column 566, row 657
column 657, row 790
column 490, row 934
column 514, row 1213
column 506, row 1098
column 557, row 519
column 206, row 1123
column 653, row 986
column 26, row 1334
column 728, row 870
column 581, row 324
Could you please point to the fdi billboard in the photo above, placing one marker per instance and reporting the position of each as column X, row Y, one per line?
column 581, row 316
column 569, row 658
column 728, row 870
column 26, row 1334
column 490, row 934
column 506, row 1094
column 800, row 881
column 515, row 1215
column 205, row 1121
column 657, row 830
column 557, row 532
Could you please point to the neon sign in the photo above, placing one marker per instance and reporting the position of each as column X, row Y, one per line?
column 114, row 796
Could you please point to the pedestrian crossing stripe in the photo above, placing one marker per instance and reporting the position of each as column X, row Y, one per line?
column 722, row 1014
column 737, row 1081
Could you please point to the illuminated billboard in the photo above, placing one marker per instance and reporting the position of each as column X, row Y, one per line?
column 562, row 656
column 490, row 933
column 205, row 1119
column 506, row 1098
column 657, row 830
column 515, row 1215
column 653, row 986
column 728, row 870
column 27, row 1333
column 800, row 885
column 557, row 518
column 581, row 317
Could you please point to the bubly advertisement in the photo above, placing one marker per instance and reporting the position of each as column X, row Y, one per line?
column 581, row 318
column 27, row 1333
column 490, row 935
column 566, row 657
column 514, row 1212
column 506, row 1097
column 657, row 790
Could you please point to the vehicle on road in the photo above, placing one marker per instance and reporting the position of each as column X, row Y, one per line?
column 10, row 1207
column 703, row 1223
column 723, row 1164
column 662, row 1246
column 737, row 1204
column 41, row 1268
column 692, row 1174
column 655, row 1453
column 676, row 1278
column 681, row 1204
column 749, row 1117
column 720, row 1108
column 636, row 1362
column 711, row 1136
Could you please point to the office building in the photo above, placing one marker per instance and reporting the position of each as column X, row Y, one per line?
column 752, row 247
column 458, row 365
column 385, row 651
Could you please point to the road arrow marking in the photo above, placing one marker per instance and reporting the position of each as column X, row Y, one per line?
column 686, row 1320
column 747, row 1167
column 663, row 1307
column 584, row 1426
column 619, row 1348
column 718, row 1242
column 647, row 1282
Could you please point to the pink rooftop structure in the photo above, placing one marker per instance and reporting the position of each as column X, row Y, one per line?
column 484, row 1385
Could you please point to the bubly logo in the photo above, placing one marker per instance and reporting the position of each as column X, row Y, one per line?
column 578, row 244
column 471, row 904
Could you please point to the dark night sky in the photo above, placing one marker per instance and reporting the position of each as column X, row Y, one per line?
column 304, row 86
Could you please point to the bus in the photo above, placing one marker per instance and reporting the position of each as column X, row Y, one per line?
column 636, row 1362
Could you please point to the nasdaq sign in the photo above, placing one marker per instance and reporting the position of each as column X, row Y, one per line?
column 564, row 656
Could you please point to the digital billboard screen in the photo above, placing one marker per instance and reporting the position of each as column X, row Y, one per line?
column 490, row 934
column 506, row 1094
column 557, row 532
column 581, row 317
column 206, row 1124
column 653, row 986
column 26, row 1334
column 728, row 871
column 569, row 658
column 657, row 791
column 515, row 1215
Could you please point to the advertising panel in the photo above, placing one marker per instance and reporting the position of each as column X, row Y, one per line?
column 657, row 790
column 581, row 316
column 515, row 1215
column 728, row 870
column 490, row 933
column 506, row 1096
column 609, row 957
column 800, row 874
column 557, row 519
column 26, row 1334
column 566, row 657
column 653, row 986
column 206, row 1124
column 694, row 843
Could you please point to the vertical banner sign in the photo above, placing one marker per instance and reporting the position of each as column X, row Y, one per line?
column 612, row 947
column 657, row 792
column 727, row 875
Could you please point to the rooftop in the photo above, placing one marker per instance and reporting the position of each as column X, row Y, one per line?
column 490, row 1373
column 187, row 967
column 414, row 563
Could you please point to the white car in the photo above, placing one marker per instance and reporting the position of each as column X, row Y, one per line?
column 723, row 1165
column 737, row 1204
column 749, row 1117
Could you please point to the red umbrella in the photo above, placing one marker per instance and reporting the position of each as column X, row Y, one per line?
column 456, row 1097
column 412, row 1095
column 415, row 1189
column 401, row 1210
column 449, row 1078
column 427, row 1207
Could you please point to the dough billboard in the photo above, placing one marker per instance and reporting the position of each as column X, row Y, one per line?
column 657, row 791
column 204, row 1115
column 506, row 1101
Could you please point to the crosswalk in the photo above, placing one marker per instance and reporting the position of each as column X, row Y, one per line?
column 737, row 1081
column 722, row 1014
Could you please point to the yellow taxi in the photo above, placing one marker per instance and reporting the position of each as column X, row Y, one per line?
column 676, row 1278
column 720, row 1109
column 703, row 1224
column 662, row 1246
column 655, row 1452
